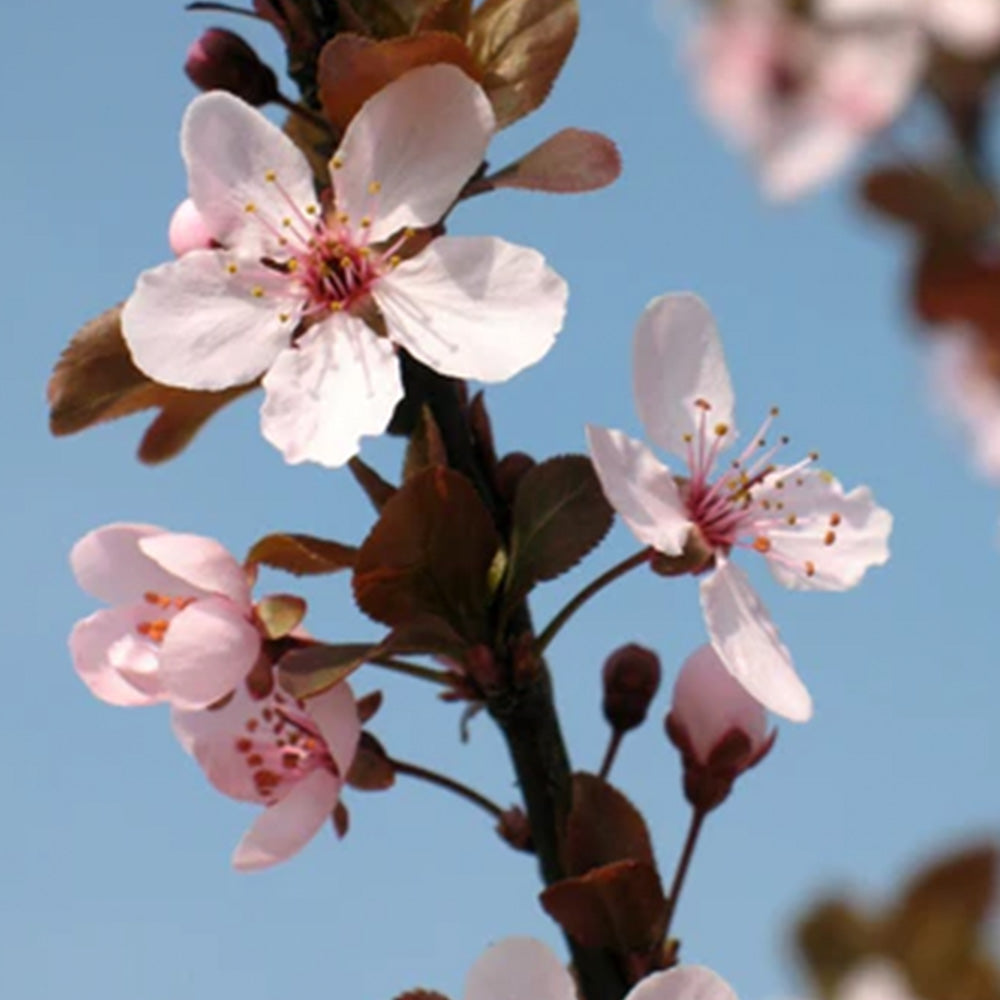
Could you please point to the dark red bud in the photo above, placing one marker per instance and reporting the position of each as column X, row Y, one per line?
column 631, row 679
column 221, row 60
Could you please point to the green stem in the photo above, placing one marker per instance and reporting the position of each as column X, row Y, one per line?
column 684, row 862
column 443, row 781
column 595, row 586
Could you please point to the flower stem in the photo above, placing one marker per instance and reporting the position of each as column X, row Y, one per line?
column 574, row 604
column 443, row 781
column 294, row 108
column 443, row 677
column 611, row 753
column 683, row 863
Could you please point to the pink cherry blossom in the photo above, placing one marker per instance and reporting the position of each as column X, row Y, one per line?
column 181, row 627
column 800, row 99
column 294, row 286
column 521, row 968
column 967, row 27
column 288, row 755
column 813, row 535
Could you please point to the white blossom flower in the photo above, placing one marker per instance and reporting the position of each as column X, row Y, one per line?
column 812, row 534
column 293, row 286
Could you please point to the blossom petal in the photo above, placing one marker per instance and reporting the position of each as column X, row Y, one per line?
column 209, row 647
column 336, row 716
column 641, row 488
column 474, row 307
column 230, row 150
column 338, row 383
column 519, row 968
column 742, row 633
column 113, row 660
column 196, row 324
column 971, row 27
column 836, row 536
column 686, row 982
column 188, row 230
column 807, row 156
column 204, row 563
column 677, row 362
column 875, row 979
column 286, row 827
column 419, row 139
column 109, row 564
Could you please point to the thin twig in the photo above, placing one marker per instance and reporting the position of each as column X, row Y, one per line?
column 443, row 781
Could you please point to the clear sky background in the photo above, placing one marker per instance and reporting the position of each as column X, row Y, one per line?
column 114, row 877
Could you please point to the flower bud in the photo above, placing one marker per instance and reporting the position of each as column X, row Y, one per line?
column 718, row 727
column 188, row 230
column 631, row 679
column 221, row 60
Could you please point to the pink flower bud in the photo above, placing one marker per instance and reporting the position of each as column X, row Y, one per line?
column 187, row 230
column 221, row 60
column 718, row 727
column 631, row 679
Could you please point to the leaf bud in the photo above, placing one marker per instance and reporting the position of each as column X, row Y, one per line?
column 631, row 679
column 718, row 727
column 222, row 60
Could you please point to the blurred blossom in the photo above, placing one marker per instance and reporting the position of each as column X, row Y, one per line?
column 967, row 387
column 812, row 534
column 521, row 968
column 799, row 98
column 288, row 755
column 181, row 627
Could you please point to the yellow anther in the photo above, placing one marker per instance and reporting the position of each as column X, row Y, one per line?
column 688, row 438
column 343, row 218
column 409, row 232
column 791, row 520
column 835, row 519
column 703, row 404
column 250, row 207
column 231, row 268
column 721, row 430
column 365, row 252
column 292, row 265
column 774, row 411
column 827, row 477
column 310, row 209
column 284, row 317
column 336, row 307
column 395, row 260
column 286, row 221
column 374, row 187
column 829, row 538
column 814, row 456
column 346, row 263
column 762, row 544
column 336, row 163
column 270, row 176
column 810, row 568
column 257, row 292
column 366, row 221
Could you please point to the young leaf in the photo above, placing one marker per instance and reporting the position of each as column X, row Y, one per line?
column 429, row 554
column 569, row 162
column 378, row 491
column 302, row 555
column 521, row 46
column 560, row 514
column 280, row 614
column 425, row 449
column 315, row 669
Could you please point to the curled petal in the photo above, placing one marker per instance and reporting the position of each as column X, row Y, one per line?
column 338, row 383
column 678, row 366
column 742, row 633
column 686, row 982
column 197, row 323
column 419, row 139
column 114, row 660
column 231, row 150
column 836, row 536
column 109, row 564
column 474, row 307
column 519, row 968
column 203, row 563
column 286, row 827
column 336, row 715
column 641, row 489
column 208, row 649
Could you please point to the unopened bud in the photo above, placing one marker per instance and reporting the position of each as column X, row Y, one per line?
column 718, row 727
column 221, row 60
column 631, row 679
column 188, row 230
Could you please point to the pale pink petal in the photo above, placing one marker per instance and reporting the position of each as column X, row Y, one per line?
column 709, row 702
column 192, row 323
column 208, row 649
column 231, row 150
column 677, row 362
column 868, row 10
column 971, row 27
column 808, row 156
column 118, row 664
column 641, row 488
column 419, row 139
column 286, row 827
column 188, row 230
column 474, row 307
column 519, row 968
column 203, row 563
column 686, row 982
column 874, row 979
column 836, row 536
column 746, row 640
column 109, row 565
column 338, row 383
column 336, row 717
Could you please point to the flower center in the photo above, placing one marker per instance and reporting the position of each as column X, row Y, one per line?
column 155, row 629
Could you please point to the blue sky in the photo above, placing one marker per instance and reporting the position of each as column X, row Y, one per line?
column 115, row 851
